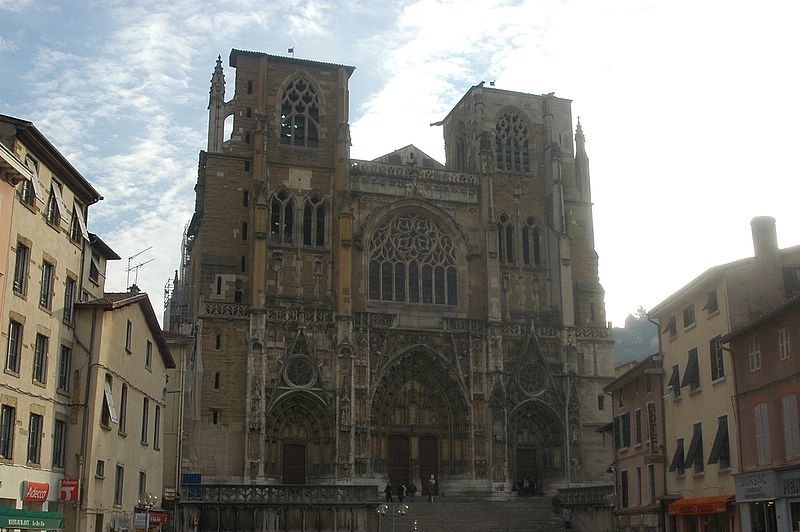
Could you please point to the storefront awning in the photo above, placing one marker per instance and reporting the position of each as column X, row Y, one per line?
column 701, row 505
column 30, row 519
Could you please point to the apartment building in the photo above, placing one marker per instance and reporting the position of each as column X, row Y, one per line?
column 639, row 446
column 767, row 370
column 701, row 447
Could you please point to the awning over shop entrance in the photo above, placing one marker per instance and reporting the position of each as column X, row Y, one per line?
column 30, row 519
column 701, row 505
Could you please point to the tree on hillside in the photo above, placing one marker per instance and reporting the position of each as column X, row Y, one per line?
column 636, row 340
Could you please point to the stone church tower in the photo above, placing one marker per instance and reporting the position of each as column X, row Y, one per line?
column 364, row 321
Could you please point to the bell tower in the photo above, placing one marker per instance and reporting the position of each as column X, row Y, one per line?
column 216, row 109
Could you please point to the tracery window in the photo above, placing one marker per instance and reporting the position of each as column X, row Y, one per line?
column 412, row 259
column 300, row 115
column 512, row 144
column 281, row 222
column 314, row 221
column 531, row 244
column 505, row 239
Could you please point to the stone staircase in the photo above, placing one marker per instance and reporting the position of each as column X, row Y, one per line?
column 445, row 514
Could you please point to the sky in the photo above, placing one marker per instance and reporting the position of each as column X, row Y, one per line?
column 689, row 108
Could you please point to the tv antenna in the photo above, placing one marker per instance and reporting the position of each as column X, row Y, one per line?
column 135, row 269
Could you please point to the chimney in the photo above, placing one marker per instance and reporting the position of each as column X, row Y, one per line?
column 134, row 289
column 765, row 237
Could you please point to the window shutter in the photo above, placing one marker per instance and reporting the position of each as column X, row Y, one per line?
column 791, row 430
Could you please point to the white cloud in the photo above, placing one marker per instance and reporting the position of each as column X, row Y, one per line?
column 15, row 6
column 6, row 45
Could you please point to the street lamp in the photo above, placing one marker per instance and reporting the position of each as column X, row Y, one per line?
column 398, row 509
column 147, row 501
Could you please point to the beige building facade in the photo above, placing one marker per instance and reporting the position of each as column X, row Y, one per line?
column 702, row 448
column 360, row 322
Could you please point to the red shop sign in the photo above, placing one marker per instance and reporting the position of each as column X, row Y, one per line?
column 157, row 518
column 35, row 491
column 68, row 490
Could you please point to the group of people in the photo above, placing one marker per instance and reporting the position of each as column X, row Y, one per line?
column 527, row 487
column 411, row 491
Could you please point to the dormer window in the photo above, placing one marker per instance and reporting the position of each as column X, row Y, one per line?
column 300, row 115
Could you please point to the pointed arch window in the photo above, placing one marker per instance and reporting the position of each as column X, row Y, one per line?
column 412, row 259
column 314, row 221
column 505, row 239
column 300, row 115
column 282, row 220
column 531, row 244
column 512, row 142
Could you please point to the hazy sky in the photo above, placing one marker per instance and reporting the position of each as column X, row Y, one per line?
column 690, row 108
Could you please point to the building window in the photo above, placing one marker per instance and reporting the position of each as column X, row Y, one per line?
column 249, row 112
column 69, row 299
column 35, row 439
column 59, row 443
column 694, row 457
column 677, row 463
column 505, row 239
column 14, row 350
column 601, row 402
column 246, row 168
column 77, row 228
column 128, row 336
column 219, row 285
column 215, row 417
column 218, row 342
column 671, row 328
column 720, row 450
column 412, row 260
column 46, row 293
column 648, row 387
column 28, row 192
column 148, row 355
column 622, row 431
column 109, row 413
column 762, row 433
column 244, row 230
column 243, row 265
column 216, row 380
column 651, row 482
column 674, row 383
column 512, row 144
column 638, row 426
column 712, row 305
column 246, row 193
column 8, row 421
column 94, row 268
column 21, row 269
column 100, row 469
column 688, row 317
column 249, row 86
column 717, row 360
column 300, row 115
column 638, row 486
column 754, row 353
column 282, row 218
column 783, row 343
column 157, row 428
column 692, row 376
column 123, row 409
column 52, row 213
column 145, row 413
column 119, row 482
column 247, row 138
column 314, row 221
column 624, row 482
column 791, row 429
column 64, row 369
column 40, row 358
column 531, row 244
column 142, row 483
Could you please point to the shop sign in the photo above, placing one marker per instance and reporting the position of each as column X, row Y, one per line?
column 121, row 523
column 140, row 521
column 169, row 494
column 790, row 483
column 755, row 486
column 13, row 518
column 158, row 518
column 35, row 491
column 68, row 490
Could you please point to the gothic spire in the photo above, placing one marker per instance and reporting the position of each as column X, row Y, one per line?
column 217, row 84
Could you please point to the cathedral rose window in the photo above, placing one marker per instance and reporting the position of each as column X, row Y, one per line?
column 512, row 144
column 300, row 115
column 412, row 259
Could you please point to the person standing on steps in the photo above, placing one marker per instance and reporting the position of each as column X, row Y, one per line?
column 567, row 515
column 412, row 490
column 431, row 487
column 388, row 492
column 401, row 492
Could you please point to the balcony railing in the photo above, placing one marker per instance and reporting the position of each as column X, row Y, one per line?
column 587, row 496
column 279, row 494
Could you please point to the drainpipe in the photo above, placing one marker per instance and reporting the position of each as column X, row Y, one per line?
column 84, row 438
column 662, row 515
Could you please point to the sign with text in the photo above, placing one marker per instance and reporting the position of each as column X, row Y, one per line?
column 755, row 486
column 35, row 491
column 790, row 483
column 68, row 490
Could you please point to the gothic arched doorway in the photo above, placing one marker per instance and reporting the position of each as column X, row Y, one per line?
column 299, row 439
column 536, row 441
column 420, row 419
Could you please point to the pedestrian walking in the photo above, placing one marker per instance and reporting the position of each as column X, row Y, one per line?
column 388, row 492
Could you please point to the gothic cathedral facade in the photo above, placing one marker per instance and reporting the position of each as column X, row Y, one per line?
column 371, row 321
